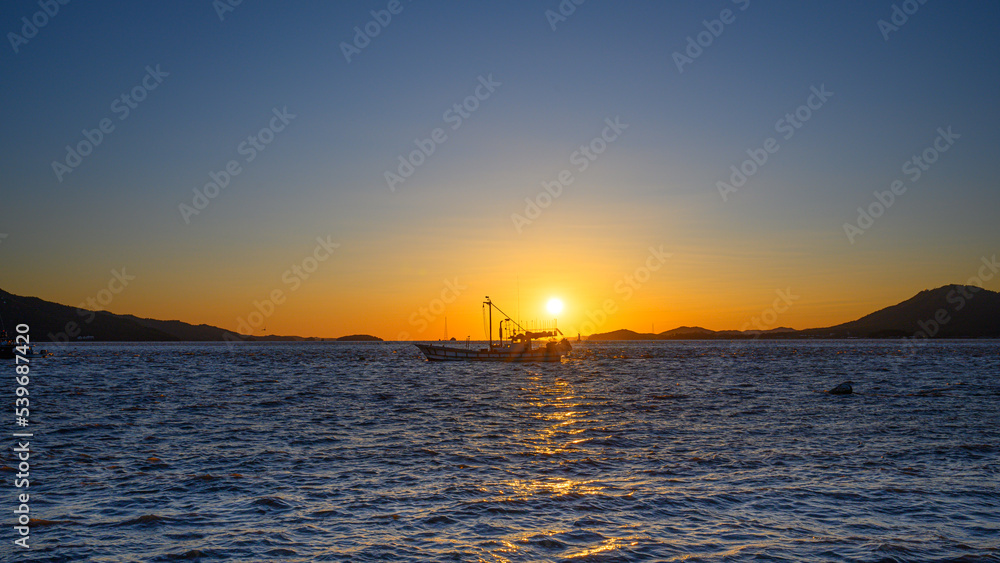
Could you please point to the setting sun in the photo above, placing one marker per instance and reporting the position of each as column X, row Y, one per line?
column 554, row 306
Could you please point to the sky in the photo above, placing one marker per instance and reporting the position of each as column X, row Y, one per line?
column 331, row 168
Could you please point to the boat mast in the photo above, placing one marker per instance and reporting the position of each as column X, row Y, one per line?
column 488, row 302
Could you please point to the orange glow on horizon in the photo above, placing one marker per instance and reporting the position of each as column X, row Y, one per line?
column 404, row 289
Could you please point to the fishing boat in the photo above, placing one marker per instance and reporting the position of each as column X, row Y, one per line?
column 37, row 353
column 9, row 350
column 514, row 344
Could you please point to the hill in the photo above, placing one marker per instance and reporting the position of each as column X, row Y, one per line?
column 359, row 338
column 951, row 311
column 53, row 322
column 60, row 323
column 694, row 333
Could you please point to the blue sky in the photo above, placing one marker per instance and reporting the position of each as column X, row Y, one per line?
column 324, row 173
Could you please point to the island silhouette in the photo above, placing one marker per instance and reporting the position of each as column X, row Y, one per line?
column 951, row 311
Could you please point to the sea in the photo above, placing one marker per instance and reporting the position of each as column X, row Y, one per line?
column 625, row 451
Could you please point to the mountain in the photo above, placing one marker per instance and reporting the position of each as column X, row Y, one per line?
column 60, row 323
column 951, row 311
column 52, row 322
column 694, row 333
column 360, row 338
column 182, row 331
column 622, row 334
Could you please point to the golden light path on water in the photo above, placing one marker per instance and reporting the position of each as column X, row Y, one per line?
column 564, row 412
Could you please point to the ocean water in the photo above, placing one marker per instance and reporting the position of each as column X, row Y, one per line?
column 667, row 451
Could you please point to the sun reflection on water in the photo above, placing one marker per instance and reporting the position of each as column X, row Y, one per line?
column 556, row 487
column 565, row 421
column 610, row 544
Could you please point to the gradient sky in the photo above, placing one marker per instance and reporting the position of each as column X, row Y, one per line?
column 655, row 186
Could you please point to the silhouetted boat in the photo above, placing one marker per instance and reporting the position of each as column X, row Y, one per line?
column 514, row 345
column 10, row 349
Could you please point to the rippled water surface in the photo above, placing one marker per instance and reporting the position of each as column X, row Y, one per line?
column 670, row 451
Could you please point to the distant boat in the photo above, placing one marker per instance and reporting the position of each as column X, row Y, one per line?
column 514, row 344
column 36, row 353
column 9, row 350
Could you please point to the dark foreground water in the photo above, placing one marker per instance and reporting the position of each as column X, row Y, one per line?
column 681, row 451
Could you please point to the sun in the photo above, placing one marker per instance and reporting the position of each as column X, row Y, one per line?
column 554, row 306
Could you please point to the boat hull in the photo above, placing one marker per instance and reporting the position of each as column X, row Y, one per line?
column 437, row 353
